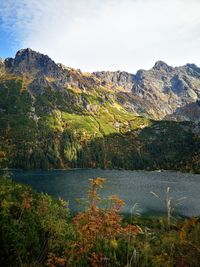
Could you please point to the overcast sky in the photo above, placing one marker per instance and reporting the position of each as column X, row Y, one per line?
column 104, row 34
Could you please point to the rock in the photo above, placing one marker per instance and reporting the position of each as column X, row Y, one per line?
column 162, row 66
column 162, row 92
column 27, row 60
column 2, row 67
column 165, row 89
column 116, row 79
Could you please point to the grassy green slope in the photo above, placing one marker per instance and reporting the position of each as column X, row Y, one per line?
column 71, row 128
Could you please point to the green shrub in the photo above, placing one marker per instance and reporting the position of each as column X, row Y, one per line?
column 31, row 225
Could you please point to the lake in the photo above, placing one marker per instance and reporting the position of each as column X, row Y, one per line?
column 132, row 186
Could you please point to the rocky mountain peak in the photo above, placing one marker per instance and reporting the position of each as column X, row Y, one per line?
column 161, row 65
column 27, row 60
column 192, row 66
column 192, row 70
column 25, row 52
column 157, row 93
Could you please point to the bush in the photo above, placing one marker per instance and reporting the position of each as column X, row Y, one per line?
column 101, row 238
column 31, row 225
column 37, row 230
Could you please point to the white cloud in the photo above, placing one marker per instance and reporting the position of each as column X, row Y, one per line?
column 107, row 34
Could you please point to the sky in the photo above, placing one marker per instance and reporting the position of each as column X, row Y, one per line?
column 96, row 35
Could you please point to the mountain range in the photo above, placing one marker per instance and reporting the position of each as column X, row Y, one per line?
column 53, row 116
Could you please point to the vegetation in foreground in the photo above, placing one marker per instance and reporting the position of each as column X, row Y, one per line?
column 37, row 230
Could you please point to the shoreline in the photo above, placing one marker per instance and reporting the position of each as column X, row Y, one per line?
column 103, row 169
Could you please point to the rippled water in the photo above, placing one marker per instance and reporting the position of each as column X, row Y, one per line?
column 132, row 186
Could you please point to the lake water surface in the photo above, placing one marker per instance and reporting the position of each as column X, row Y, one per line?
column 132, row 186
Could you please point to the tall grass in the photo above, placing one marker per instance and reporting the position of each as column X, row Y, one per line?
column 169, row 203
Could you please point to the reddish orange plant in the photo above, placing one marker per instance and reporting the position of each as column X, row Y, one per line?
column 99, row 229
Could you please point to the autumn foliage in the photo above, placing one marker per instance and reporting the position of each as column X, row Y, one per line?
column 37, row 230
column 99, row 231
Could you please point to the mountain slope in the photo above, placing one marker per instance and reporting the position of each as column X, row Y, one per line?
column 160, row 91
column 52, row 116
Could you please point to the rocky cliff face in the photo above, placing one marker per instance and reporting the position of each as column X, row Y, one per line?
column 168, row 90
column 2, row 68
column 162, row 92
column 43, row 71
column 27, row 60
column 121, row 79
